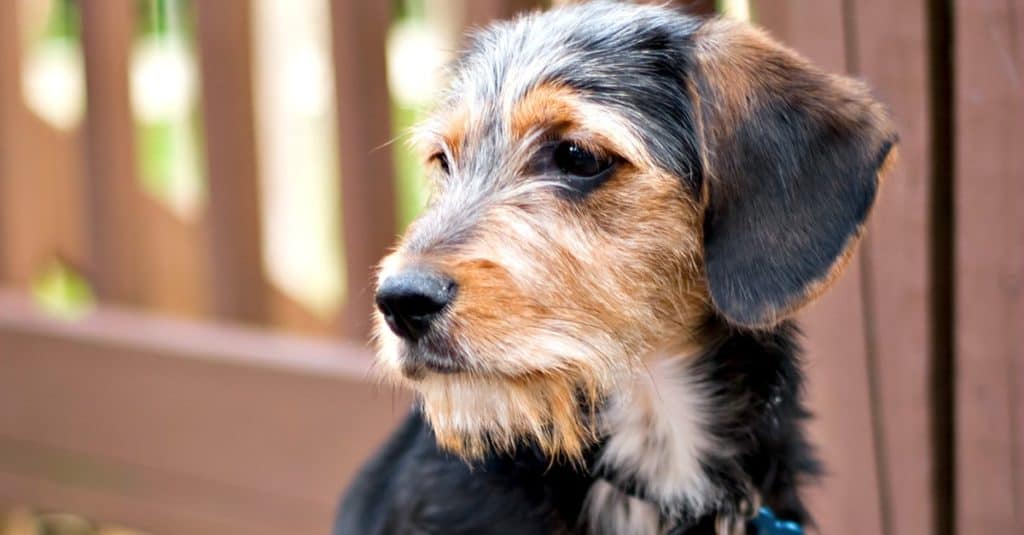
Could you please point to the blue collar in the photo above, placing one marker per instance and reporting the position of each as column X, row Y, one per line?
column 766, row 523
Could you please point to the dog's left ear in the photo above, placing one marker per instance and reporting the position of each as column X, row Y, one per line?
column 792, row 158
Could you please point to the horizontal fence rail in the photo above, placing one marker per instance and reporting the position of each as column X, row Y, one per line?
column 177, row 427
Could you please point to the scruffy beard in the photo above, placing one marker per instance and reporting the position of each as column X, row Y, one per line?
column 523, row 398
column 473, row 414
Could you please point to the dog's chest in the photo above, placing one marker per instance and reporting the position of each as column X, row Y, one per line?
column 657, row 441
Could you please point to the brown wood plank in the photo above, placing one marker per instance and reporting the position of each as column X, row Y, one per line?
column 174, row 274
column 114, row 223
column 890, row 52
column 292, row 316
column 1017, row 35
column 839, row 392
column 238, row 285
column 989, row 265
column 847, row 500
column 40, row 218
column 364, row 130
column 142, row 251
column 16, row 259
column 179, row 427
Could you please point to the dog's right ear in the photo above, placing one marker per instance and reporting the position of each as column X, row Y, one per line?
column 792, row 158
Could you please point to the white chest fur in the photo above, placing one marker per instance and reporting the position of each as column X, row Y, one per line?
column 657, row 436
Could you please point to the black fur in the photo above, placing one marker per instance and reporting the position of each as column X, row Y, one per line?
column 411, row 486
column 795, row 184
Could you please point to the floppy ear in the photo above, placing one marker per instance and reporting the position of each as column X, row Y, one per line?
column 792, row 159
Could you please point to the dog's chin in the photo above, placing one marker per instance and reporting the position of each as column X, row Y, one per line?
column 477, row 405
column 475, row 414
column 415, row 364
column 405, row 361
column 475, row 411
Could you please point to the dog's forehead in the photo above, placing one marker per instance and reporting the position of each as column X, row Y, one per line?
column 632, row 59
column 588, row 46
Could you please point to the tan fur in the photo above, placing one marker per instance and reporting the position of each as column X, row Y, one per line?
column 555, row 300
column 545, row 106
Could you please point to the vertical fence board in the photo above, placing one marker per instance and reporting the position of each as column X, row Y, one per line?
column 364, row 130
column 890, row 52
column 238, row 284
column 172, row 268
column 173, row 275
column 989, row 266
column 141, row 251
column 182, row 428
column 113, row 197
column 288, row 314
column 847, row 500
column 13, row 205
column 62, row 175
column 1018, row 239
column 39, row 174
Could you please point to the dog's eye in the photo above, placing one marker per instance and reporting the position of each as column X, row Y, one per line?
column 576, row 161
column 442, row 162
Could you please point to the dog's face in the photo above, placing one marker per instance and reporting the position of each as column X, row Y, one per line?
column 607, row 178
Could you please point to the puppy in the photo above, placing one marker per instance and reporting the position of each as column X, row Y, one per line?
column 629, row 204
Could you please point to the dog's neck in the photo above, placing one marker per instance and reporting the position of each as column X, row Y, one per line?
column 675, row 436
column 657, row 437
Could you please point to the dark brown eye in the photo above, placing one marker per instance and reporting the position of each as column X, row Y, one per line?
column 578, row 162
column 442, row 162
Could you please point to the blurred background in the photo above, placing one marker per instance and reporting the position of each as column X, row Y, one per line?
column 193, row 194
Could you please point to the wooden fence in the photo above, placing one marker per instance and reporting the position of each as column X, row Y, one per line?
column 205, row 426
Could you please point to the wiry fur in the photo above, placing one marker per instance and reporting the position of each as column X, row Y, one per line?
column 617, row 358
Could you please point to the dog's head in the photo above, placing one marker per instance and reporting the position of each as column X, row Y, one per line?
column 608, row 177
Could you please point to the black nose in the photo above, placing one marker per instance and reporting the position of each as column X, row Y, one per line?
column 413, row 299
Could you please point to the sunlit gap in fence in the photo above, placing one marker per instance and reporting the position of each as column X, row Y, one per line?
column 737, row 9
column 52, row 81
column 297, row 146
column 422, row 39
column 165, row 102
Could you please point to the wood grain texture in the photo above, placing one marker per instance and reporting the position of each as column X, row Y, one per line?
column 177, row 427
column 889, row 50
column 115, row 225
column 989, row 266
column 364, row 132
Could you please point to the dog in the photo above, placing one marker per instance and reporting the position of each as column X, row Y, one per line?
column 595, row 310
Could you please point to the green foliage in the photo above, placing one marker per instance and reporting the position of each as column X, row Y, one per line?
column 63, row 291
